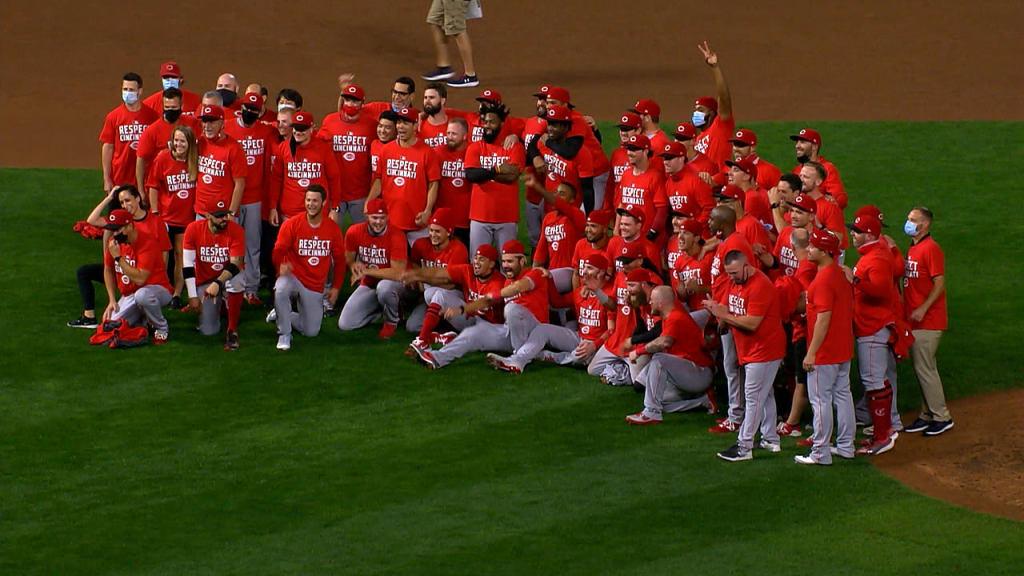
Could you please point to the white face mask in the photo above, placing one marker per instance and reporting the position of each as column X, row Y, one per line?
column 129, row 97
column 171, row 82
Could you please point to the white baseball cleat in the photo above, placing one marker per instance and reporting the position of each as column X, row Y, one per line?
column 272, row 316
column 284, row 342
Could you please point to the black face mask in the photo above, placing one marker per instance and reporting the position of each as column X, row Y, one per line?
column 172, row 116
column 228, row 96
column 248, row 117
column 121, row 238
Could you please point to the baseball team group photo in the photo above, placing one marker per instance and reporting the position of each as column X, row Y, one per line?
column 431, row 297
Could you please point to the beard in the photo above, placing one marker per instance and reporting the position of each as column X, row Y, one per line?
column 637, row 301
column 431, row 110
column 490, row 135
column 804, row 159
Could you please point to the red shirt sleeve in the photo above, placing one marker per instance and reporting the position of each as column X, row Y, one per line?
column 399, row 247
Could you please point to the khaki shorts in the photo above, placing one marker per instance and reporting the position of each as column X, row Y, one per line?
column 449, row 15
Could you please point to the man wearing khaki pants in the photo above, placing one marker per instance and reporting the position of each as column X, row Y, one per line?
column 447, row 19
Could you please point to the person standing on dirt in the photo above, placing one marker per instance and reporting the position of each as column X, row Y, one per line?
column 447, row 19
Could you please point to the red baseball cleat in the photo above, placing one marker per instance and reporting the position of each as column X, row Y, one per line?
column 641, row 419
column 724, row 427
column 387, row 330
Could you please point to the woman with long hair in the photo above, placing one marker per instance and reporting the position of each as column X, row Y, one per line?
column 172, row 193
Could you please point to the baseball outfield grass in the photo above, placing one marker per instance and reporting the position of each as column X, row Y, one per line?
column 343, row 456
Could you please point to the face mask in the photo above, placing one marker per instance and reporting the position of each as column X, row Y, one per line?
column 910, row 229
column 170, row 82
column 172, row 116
column 227, row 95
column 699, row 118
column 121, row 238
column 349, row 109
column 248, row 117
column 129, row 98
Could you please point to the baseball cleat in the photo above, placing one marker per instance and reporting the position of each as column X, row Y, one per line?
column 877, row 447
column 641, row 419
column 736, row 454
column 805, row 442
column 272, row 316
column 769, row 446
column 439, row 73
column 445, row 337
column 725, row 427
column 919, row 425
column 807, row 460
column 160, row 338
column 252, row 299
column 426, row 357
column 502, row 364
column 936, row 427
column 787, row 429
column 231, row 340
column 284, row 342
column 417, row 343
column 84, row 322
column 387, row 331
column 464, row 81
column 834, row 450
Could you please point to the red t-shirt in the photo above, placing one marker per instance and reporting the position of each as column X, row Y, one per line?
column 512, row 126
column 561, row 169
column 714, row 142
column 831, row 216
column 759, row 207
column 176, row 196
column 831, row 291
column 144, row 256
column 310, row 251
column 351, row 143
column 784, row 253
column 688, row 338
column 292, row 173
column 157, row 136
column 454, row 191
column 591, row 316
column 833, row 185
column 688, row 268
column 719, row 279
column 123, row 128
column 405, row 175
column 256, row 141
column 433, row 135
column 616, row 245
column 686, row 186
column 535, row 300
column 874, row 293
column 189, row 102
column 757, row 297
column 220, row 162
column 425, row 255
column 625, row 318
column 590, row 142
column 473, row 288
column 584, row 250
column 925, row 261
column 560, row 230
column 377, row 252
column 754, row 232
column 214, row 250
column 493, row 201
column 646, row 190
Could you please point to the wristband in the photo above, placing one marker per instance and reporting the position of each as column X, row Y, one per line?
column 775, row 205
column 640, row 350
column 117, row 259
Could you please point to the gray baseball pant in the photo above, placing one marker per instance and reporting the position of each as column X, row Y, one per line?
column 354, row 209
column 146, row 301
column 673, row 384
column 828, row 385
column 414, row 235
column 209, row 308
column 534, row 218
column 311, row 307
column 758, row 380
column 877, row 364
column 700, row 317
column 365, row 305
column 559, row 338
column 733, row 377
column 480, row 335
column 249, row 219
column 443, row 297
column 613, row 367
column 493, row 233
column 600, row 186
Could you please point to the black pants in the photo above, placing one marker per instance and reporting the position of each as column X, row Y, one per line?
column 86, row 276
column 268, row 238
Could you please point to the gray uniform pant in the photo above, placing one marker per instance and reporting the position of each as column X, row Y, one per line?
column 443, row 297
column 673, row 384
column 557, row 338
column 828, row 385
column 414, row 235
column 479, row 335
column 311, row 307
column 209, row 308
column 146, row 301
column 365, row 305
column 354, row 209
column 534, row 218
column 600, row 185
column 700, row 317
column 562, row 278
column 933, row 399
column 733, row 377
column 249, row 219
column 877, row 364
column 495, row 234
column 615, row 368
column 760, row 411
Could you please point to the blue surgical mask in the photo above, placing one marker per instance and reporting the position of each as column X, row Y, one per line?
column 129, row 97
column 171, row 82
column 910, row 229
column 699, row 118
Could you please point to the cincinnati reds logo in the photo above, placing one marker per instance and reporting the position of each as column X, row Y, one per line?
column 739, row 134
column 304, row 182
column 111, row 217
column 457, row 182
column 253, row 99
column 313, row 260
column 802, row 132
column 625, row 310
column 584, row 329
column 349, row 156
column 207, row 179
column 487, row 92
column 134, row 145
column 399, row 181
column 169, row 67
column 217, row 266
column 351, row 89
column 668, row 147
column 124, row 279
column 183, row 194
column 250, row 160
column 624, row 119
column 545, row 89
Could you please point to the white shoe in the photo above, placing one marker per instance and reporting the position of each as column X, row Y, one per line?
column 801, row 459
column 834, row 450
column 769, row 446
column 284, row 342
column 272, row 316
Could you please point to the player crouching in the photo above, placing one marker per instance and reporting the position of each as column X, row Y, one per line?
column 213, row 255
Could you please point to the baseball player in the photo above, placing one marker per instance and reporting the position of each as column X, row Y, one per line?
column 585, row 127
column 222, row 165
column 594, row 240
column 306, row 248
column 744, row 174
column 433, row 125
column 156, row 137
column 808, row 148
column 374, row 244
column 453, row 191
column 631, row 227
column 494, row 171
column 120, row 135
column 407, row 177
column 439, row 250
column 755, row 321
column 301, row 162
column 351, row 132
column 172, row 187
column 874, row 313
column 691, row 274
column 525, row 297
column 744, row 145
column 629, row 125
column 214, row 254
column 561, row 230
column 256, row 139
column 686, row 134
column 829, row 214
column 533, row 128
column 678, row 375
column 924, row 294
column 171, row 77
column 684, row 184
column 403, row 94
column 563, row 157
column 713, row 117
column 133, row 265
column 610, row 362
column 788, row 187
column 650, row 115
column 387, row 131
column 510, row 130
column 563, row 345
column 750, row 227
column 830, row 325
column 644, row 187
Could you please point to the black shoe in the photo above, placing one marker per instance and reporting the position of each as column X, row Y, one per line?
column 439, row 73
column 736, row 454
column 464, row 81
column 176, row 303
column 84, row 322
column 919, row 425
column 231, row 342
column 937, row 427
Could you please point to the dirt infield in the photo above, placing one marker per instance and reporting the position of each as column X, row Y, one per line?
column 61, row 63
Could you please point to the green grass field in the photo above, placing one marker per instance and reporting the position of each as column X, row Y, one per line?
column 343, row 456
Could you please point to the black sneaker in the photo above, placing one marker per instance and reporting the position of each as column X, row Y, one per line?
column 464, row 81
column 84, row 322
column 937, row 427
column 439, row 73
column 919, row 425
column 736, row 454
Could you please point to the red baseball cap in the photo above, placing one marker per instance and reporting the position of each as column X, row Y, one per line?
column 376, row 206
column 630, row 251
column 867, row 221
column 487, row 251
column 170, row 69
column 302, row 118
column 746, row 165
column 809, row 135
column 637, row 142
column 685, row 131
column 629, row 120
column 825, row 240
column 744, row 137
column 118, row 219
column 253, row 99
column 354, row 91
column 559, row 114
column 673, row 150
column 559, row 93
column 731, row 192
column 599, row 217
column 631, row 210
column 707, row 102
column 693, row 226
column 443, row 217
column 542, row 92
column 642, row 275
column 408, row 114
column 805, row 203
column 489, row 95
column 649, row 107
column 688, row 208
column 872, row 210
column 513, row 247
column 221, row 211
column 211, row 112
column 597, row 260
